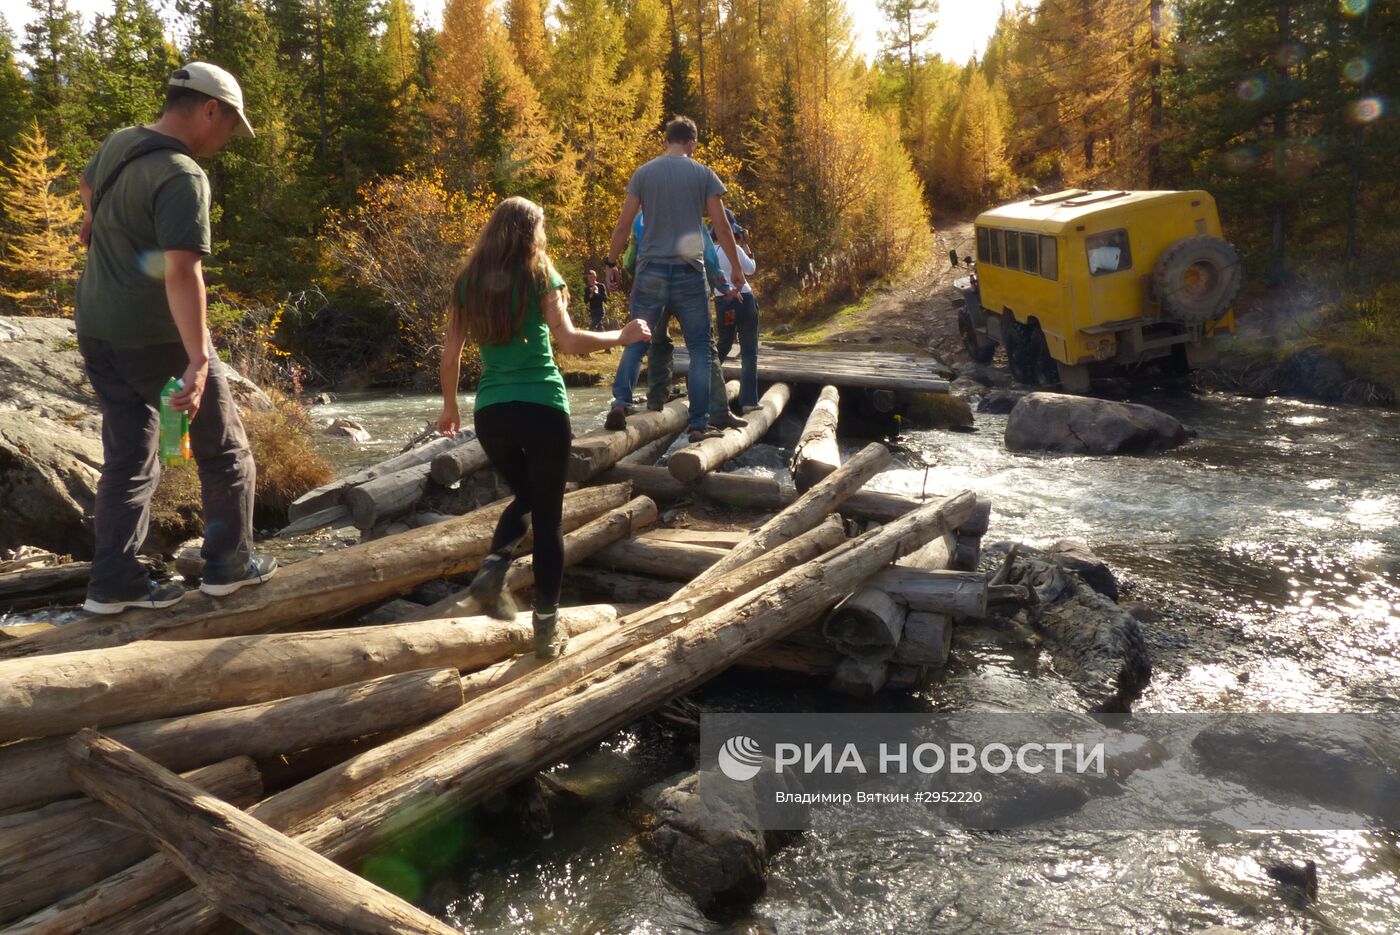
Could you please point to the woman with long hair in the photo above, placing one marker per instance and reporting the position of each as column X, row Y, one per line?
column 509, row 298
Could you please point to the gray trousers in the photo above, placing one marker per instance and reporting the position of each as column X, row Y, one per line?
column 128, row 380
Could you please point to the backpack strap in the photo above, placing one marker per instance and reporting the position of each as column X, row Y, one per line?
column 141, row 148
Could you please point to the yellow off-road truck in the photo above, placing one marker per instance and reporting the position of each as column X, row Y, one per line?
column 1080, row 281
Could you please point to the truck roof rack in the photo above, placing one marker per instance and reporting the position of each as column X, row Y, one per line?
column 1090, row 198
column 1059, row 196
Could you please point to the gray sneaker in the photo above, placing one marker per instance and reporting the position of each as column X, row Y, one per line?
column 549, row 642
column 157, row 596
column 259, row 569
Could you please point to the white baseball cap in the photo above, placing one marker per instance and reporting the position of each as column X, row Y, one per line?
column 218, row 84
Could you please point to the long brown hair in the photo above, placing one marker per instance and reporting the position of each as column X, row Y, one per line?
column 509, row 257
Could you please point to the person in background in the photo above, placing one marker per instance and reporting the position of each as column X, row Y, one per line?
column 510, row 299
column 676, row 192
column 739, row 314
column 595, row 294
column 141, row 320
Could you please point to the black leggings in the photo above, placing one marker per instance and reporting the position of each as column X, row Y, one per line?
column 528, row 445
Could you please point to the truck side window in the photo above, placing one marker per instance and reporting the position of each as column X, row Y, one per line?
column 996, row 247
column 1013, row 250
column 1030, row 255
column 984, row 249
column 1049, row 257
column 1108, row 252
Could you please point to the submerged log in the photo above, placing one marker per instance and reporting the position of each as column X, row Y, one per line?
column 289, row 808
column 329, row 495
column 803, row 514
column 790, row 657
column 589, row 539
column 690, row 463
column 860, row 677
column 36, row 772
column 63, row 847
column 928, row 640
column 315, row 588
column 59, row 694
column 255, row 876
column 868, row 624
column 817, row 454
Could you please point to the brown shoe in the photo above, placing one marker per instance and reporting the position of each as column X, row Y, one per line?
column 699, row 435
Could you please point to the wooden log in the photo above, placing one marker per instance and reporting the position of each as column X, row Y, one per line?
column 872, row 370
column 36, row 772
column 388, row 497
column 589, row 539
column 256, row 876
column 59, row 694
column 670, row 560
column 794, row 658
column 335, row 517
column 803, row 514
column 314, row 588
column 329, row 495
column 652, row 451
column 960, row 594
column 981, row 520
column 30, row 582
column 503, row 674
column 868, row 624
column 451, row 466
column 817, row 454
column 690, row 463
column 736, row 490
column 62, row 848
column 900, row 677
column 878, row 507
column 619, row 586
column 593, row 454
column 140, row 884
column 711, row 538
column 928, row 639
column 967, row 552
column 859, row 677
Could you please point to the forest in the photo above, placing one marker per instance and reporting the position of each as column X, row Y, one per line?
column 384, row 141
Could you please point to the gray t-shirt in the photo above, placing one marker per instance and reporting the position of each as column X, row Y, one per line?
column 673, row 191
column 159, row 202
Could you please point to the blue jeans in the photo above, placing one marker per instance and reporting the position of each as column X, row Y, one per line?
column 745, row 308
column 682, row 289
column 629, row 368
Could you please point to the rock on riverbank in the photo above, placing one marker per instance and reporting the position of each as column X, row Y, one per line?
column 1085, row 425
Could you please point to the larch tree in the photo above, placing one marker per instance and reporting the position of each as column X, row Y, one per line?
column 525, row 21
column 39, row 251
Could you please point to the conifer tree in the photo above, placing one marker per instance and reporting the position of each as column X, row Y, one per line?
column 61, row 60
column 39, row 250
column 134, row 61
column 14, row 93
column 525, row 21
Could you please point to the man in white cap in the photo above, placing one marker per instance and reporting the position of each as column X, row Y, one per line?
column 141, row 317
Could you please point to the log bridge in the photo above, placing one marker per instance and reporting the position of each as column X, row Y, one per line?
column 145, row 756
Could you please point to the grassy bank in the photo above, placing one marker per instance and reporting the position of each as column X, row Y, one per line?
column 287, row 463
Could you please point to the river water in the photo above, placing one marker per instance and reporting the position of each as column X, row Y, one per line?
column 1266, row 553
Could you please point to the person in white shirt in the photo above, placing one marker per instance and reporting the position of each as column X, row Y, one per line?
column 739, row 314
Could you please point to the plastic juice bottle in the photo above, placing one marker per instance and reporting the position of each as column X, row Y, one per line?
column 174, row 426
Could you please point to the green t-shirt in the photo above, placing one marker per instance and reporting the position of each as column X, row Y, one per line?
column 522, row 369
column 159, row 202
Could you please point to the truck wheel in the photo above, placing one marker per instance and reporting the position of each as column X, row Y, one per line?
column 1028, row 354
column 979, row 347
column 1197, row 279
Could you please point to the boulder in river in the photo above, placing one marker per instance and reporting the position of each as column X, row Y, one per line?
column 999, row 402
column 705, row 829
column 348, row 428
column 1075, row 556
column 1084, row 425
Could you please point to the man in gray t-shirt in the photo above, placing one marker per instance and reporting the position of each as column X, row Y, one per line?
column 142, row 320
column 677, row 193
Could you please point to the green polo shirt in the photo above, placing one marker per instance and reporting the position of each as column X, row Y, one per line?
column 522, row 369
column 159, row 202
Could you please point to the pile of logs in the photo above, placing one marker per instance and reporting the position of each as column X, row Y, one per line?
column 227, row 757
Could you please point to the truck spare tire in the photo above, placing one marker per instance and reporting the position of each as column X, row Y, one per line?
column 1197, row 279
